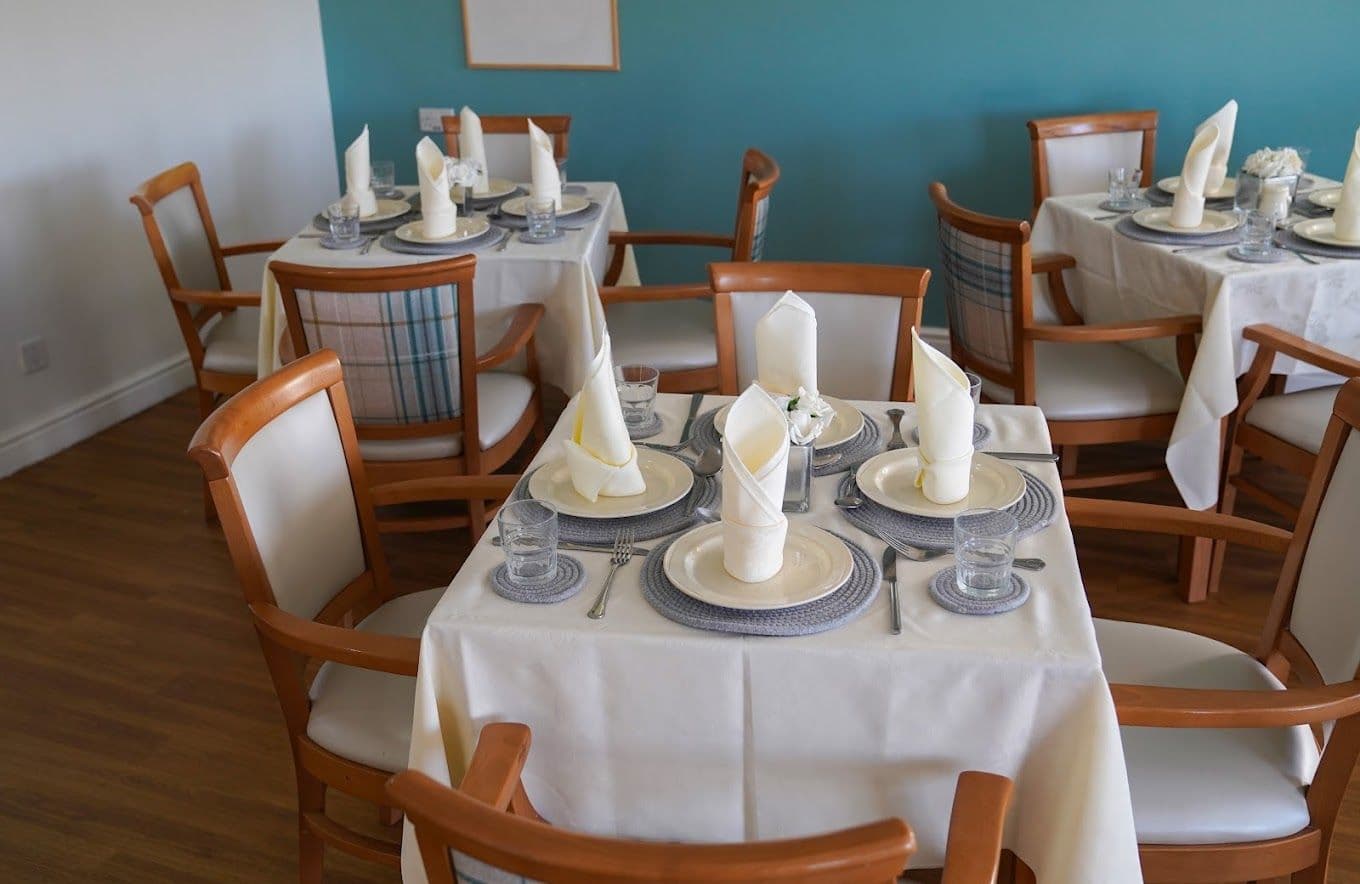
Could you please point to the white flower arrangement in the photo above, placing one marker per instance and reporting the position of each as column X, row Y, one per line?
column 808, row 415
column 1274, row 162
column 462, row 172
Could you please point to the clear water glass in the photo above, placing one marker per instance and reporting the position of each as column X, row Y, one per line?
column 798, row 480
column 541, row 215
column 974, row 387
column 1124, row 182
column 344, row 220
column 984, row 548
column 529, row 537
column 1257, row 232
column 384, row 177
column 637, row 392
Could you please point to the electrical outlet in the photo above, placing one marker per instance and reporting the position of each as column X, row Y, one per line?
column 429, row 118
column 33, row 355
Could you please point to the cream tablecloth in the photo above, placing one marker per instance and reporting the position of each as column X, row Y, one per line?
column 649, row 729
column 1119, row 279
column 560, row 276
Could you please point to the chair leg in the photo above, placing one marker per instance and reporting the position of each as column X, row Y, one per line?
column 389, row 816
column 207, row 402
column 1227, row 501
column 311, row 849
column 477, row 518
column 1067, row 456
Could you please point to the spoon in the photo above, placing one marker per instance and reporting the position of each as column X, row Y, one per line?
column 896, row 441
column 850, row 502
column 709, row 462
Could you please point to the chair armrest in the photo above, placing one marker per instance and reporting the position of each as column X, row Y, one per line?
column 523, row 325
column 1123, row 515
column 216, row 299
column 626, row 293
column 976, row 826
column 248, row 248
column 1281, row 341
column 443, row 488
column 670, row 238
column 1051, row 262
column 396, row 654
column 1140, row 330
column 1052, row 266
column 493, row 773
column 1155, row 706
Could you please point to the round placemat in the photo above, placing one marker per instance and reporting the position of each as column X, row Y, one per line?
column 1290, row 240
column 322, row 223
column 646, row 429
column 492, row 237
column 341, row 245
column 574, row 221
column 558, row 235
column 600, row 532
column 1133, row 230
column 980, row 434
column 1108, row 206
column 1035, row 511
column 1274, row 256
column 828, row 612
column 945, row 591
column 570, row 577
column 854, row 451
column 1159, row 197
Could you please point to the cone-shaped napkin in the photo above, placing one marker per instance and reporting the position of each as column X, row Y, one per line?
column 1187, row 210
column 786, row 347
column 472, row 146
column 1225, row 118
column 755, row 464
column 546, row 182
column 359, row 175
column 600, row 456
column 438, row 213
column 944, row 412
column 1348, row 210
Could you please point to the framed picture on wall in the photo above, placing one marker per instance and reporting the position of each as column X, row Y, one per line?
column 581, row 35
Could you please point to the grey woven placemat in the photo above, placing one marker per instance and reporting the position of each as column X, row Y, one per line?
column 1274, row 256
column 1035, row 511
column 492, row 237
column 322, row 223
column 1309, row 209
column 567, row 582
column 1291, row 240
column 945, row 591
column 646, row 429
column 828, row 612
column 601, row 532
column 1159, row 197
column 980, row 434
column 854, row 451
column 558, row 235
column 1133, row 230
column 574, row 221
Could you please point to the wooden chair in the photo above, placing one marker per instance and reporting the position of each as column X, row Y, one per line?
column 1073, row 154
column 1220, row 754
column 865, row 314
column 671, row 327
column 282, row 462
column 493, row 827
column 407, row 340
column 507, row 141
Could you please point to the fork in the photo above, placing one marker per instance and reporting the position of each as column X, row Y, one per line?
column 505, row 242
column 368, row 245
column 618, row 557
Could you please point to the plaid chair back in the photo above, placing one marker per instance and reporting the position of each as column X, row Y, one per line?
column 979, row 295
column 759, row 175
column 758, row 231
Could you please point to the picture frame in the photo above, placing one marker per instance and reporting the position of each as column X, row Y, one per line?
column 572, row 35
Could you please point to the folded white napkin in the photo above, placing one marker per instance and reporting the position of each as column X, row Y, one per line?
column 786, row 347
column 1347, row 213
column 440, row 216
column 472, row 146
column 601, row 458
column 944, row 412
column 359, row 175
column 755, row 465
column 1187, row 210
column 545, row 182
column 1225, row 118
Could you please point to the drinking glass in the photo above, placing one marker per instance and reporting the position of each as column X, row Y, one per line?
column 542, row 217
column 1124, row 182
column 344, row 220
column 974, row 387
column 384, row 177
column 637, row 392
column 984, row 547
column 529, row 537
column 1257, row 232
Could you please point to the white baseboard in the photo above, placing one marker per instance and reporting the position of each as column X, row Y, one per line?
column 98, row 411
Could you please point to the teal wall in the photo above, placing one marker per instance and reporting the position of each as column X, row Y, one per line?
column 862, row 102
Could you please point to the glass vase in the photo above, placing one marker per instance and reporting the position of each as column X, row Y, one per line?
column 798, row 483
column 1269, row 196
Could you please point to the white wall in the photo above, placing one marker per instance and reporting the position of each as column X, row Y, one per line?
column 95, row 98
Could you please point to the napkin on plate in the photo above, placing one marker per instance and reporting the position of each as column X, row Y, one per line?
column 545, row 181
column 1225, row 118
column 786, row 347
column 472, row 147
column 1187, row 210
column 359, row 175
column 944, row 411
column 601, row 458
column 1347, row 214
column 755, row 464
column 438, row 213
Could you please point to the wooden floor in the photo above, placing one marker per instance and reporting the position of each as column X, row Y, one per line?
column 141, row 739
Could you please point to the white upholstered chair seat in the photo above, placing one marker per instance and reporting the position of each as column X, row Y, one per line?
column 231, row 343
column 1096, row 382
column 1298, row 418
column 667, row 335
column 501, row 400
column 1205, row 786
column 363, row 715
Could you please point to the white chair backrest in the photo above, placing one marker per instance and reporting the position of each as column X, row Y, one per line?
column 1080, row 163
column 295, row 489
column 186, row 240
column 856, row 340
column 507, row 156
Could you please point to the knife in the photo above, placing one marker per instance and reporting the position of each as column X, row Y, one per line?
column 695, row 400
column 890, row 575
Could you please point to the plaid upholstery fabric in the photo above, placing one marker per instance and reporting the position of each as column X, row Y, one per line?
column 398, row 350
column 758, row 229
column 977, row 272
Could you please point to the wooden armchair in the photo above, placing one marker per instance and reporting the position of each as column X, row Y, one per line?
column 1074, row 154
column 671, row 327
column 507, row 141
column 419, row 389
column 282, row 462
column 490, row 822
column 1223, row 759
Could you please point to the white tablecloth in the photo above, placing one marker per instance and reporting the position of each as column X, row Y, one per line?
column 1118, row 279
column 649, row 729
column 560, row 276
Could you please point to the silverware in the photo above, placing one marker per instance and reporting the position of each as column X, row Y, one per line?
column 890, row 575
column 312, row 235
column 580, row 547
column 825, row 460
column 1197, row 248
column 709, row 462
column 695, row 400
column 1036, row 456
column 618, row 557
column 504, row 242
column 1308, row 258
column 368, row 245
column 896, row 441
column 919, row 554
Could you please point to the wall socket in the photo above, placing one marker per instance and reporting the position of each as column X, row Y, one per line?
column 33, row 355
column 429, row 118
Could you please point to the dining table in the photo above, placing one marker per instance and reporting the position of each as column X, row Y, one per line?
column 562, row 275
column 648, row 728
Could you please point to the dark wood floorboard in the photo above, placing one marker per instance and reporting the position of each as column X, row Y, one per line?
column 141, row 739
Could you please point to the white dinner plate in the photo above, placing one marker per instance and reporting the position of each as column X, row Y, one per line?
column 889, row 479
column 816, row 564
column 1159, row 218
column 845, row 426
column 1226, row 189
column 1323, row 230
column 387, row 210
column 668, row 479
column 571, row 204
column 464, row 228
column 1326, row 197
column 496, row 188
